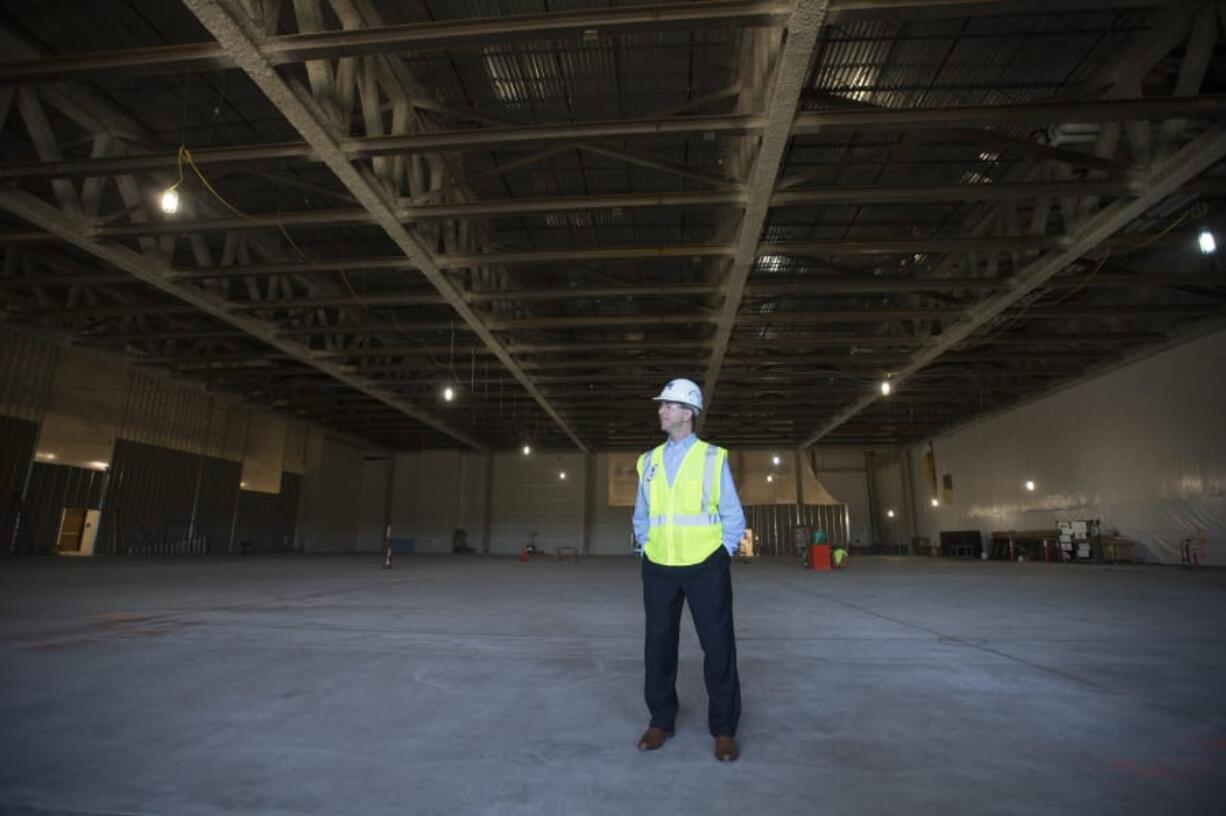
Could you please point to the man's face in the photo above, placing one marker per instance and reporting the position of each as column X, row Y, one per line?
column 673, row 416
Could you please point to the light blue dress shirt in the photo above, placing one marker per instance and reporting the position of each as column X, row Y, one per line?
column 731, row 516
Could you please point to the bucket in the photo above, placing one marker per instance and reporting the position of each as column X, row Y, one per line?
column 819, row 557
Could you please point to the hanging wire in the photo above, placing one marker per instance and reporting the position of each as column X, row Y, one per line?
column 451, row 356
column 185, row 156
column 183, row 110
column 1007, row 322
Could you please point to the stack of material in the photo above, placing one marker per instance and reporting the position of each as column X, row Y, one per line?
column 1115, row 548
column 1030, row 545
column 1077, row 539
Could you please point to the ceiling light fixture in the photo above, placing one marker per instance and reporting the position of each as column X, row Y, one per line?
column 448, row 394
column 935, row 503
column 170, row 200
column 527, row 449
column 885, row 387
column 1030, row 485
column 1207, row 243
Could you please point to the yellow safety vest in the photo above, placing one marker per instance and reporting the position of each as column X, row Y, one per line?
column 683, row 519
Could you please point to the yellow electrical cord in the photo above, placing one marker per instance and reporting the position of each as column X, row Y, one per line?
column 185, row 155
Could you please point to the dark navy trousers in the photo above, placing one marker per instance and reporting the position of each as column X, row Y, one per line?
column 707, row 588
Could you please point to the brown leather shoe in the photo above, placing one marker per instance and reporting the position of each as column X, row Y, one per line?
column 653, row 738
column 726, row 749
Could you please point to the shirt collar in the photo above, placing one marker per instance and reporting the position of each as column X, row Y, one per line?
column 684, row 444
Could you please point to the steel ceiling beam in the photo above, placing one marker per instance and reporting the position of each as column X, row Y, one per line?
column 534, row 136
column 1097, row 110
column 909, row 246
column 466, row 33
column 157, row 274
column 519, row 207
column 145, row 336
column 379, row 264
column 243, row 45
column 1164, row 179
column 847, row 285
column 452, row 34
column 340, row 301
column 574, row 257
column 417, row 37
column 815, row 318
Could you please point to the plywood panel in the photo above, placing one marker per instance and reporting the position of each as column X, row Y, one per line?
column 83, row 411
column 263, row 453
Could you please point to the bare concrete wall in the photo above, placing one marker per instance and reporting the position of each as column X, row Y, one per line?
column 1142, row 448
column 530, row 495
column 331, row 503
column 373, row 512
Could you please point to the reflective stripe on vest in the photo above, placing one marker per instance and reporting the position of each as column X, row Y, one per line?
column 683, row 518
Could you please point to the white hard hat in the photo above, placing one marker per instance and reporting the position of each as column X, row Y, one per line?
column 683, row 391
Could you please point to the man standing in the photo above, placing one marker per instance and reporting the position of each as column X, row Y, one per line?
column 687, row 525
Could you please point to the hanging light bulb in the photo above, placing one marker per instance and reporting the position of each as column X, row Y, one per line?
column 885, row 387
column 170, row 196
column 770, row 477
column 1030, row 485
column 448, row 393
column 170, row 201
column 935, row 503
column 1206, row 242
column 775, row 460
column 527, row 449
column 562, row 475
column 889, row 513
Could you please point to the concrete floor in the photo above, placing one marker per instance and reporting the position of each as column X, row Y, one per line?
column 451, row 685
